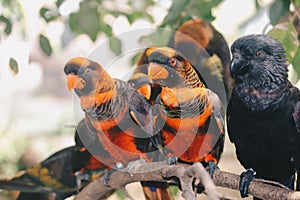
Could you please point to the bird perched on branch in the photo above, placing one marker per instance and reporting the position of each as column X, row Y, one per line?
column 264, row 112
column 120, row 115
column 207, row 50
column 56, row 177
column 190, row 118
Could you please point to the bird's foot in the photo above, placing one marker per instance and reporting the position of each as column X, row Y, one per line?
column 134, row 164
column 172, row 160
column 211, row 168
column 245, row 180
column 80, row 178
column 117, row 167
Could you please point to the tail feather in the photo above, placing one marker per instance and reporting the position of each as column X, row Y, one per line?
column 24, row 183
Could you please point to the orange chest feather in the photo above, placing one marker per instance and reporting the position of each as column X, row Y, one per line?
column 189, row 147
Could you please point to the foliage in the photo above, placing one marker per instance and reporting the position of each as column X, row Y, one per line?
column 90, row 18
column 287, row 29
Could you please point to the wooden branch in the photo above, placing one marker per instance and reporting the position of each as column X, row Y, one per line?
column 159, row 171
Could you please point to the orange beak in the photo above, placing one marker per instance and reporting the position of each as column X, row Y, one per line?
column 145, row 90
column 71, row 81
column 156, row 71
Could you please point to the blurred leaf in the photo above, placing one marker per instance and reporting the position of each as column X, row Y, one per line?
column 45, row 45
column 287, row 35
column 86, row 21
column 296, row 62
column 115, row 45
column 137, row 15
column 48, row 15
column 278, row 10
column 159, row 38
column 257, row 4
column 296, row 2
column 175, row 13
column 120, row 194
column 13, row 65
column 107, row 29
column 59, row 3
column 202, row 8
column 8, row 24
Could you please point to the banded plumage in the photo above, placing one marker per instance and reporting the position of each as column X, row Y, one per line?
column 190, row 115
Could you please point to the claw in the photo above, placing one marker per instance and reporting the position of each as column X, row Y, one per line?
column 211, row 168
column 245, row 180
column 172, row 160
column 117, row 167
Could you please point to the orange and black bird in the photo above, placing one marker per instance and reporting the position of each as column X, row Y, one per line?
column 120, row 116
column 190, row 120
column 263, row 114
column 56, row 177
column 208, row 51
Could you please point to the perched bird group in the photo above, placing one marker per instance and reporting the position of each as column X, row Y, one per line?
column 173, row 108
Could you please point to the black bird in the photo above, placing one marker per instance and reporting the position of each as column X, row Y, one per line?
column 263, row 114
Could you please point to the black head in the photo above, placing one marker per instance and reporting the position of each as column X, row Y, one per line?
column 170, row 68
column 258, row 58
column 83, row 75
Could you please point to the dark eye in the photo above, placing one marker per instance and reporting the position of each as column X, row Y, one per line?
column 87, row 71
column 173, row 62
column 259, row 53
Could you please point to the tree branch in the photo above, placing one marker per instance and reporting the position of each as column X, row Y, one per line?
column 160, row 171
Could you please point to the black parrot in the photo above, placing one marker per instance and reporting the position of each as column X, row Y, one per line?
column 263, row 114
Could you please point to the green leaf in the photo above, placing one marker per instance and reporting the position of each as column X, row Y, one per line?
column 296, row 62
column 48, row 15
column 202, row 9
column 13, row 65
column 59, row 3
column 86, row 21
column 107, row 29
column 8, row 24
column 115, row 45
column 137, row 15
column 296, row 2
column 287, row 35
column 45, row 45
column 174, row 13
column 278, row 10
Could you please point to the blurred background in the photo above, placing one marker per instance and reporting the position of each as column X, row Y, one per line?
column 38, row 37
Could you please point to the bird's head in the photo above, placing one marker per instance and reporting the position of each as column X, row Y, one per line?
column 258, row 57
column 85, row 76
column 169, row 67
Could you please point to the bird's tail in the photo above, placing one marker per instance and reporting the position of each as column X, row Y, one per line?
column 23, row 182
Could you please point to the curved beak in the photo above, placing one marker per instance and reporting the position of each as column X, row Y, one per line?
column 237, row 65
column 156, row 71
column 71, row 81
column 75, row 82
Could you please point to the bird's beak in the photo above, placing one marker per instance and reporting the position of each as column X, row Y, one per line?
column 71, row 81
column 145, row 90
column 156, row 71
column 236, row 66
column 74, row 82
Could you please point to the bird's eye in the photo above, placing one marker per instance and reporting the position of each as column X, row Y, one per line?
column 259, row 53
column 173, row 62
column 87, row 71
